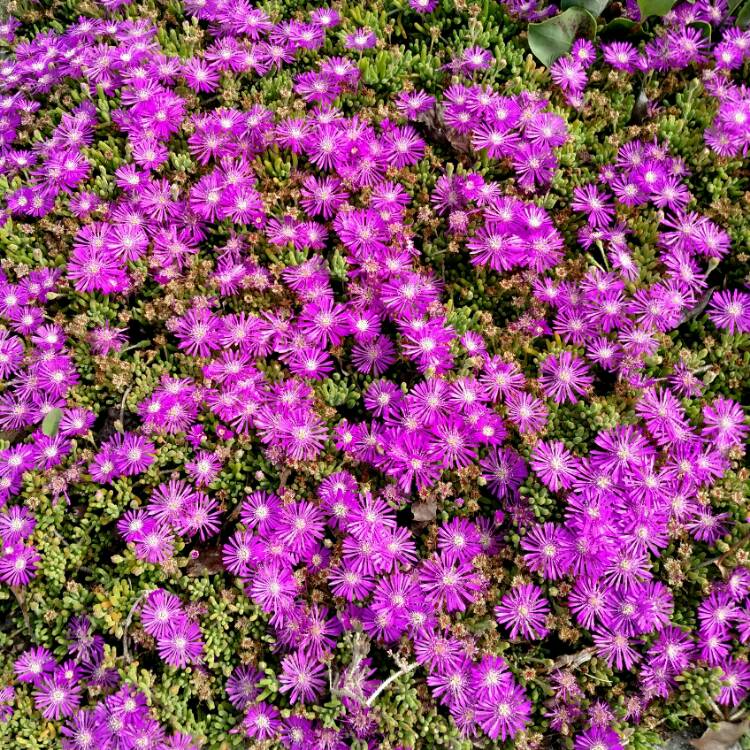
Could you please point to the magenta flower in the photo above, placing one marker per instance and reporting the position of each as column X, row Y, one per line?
column 592, row 201
column 735, row 678
column 616, row 649
column 242, row 686
column 134, row 455
column 301, row 677
column 361, row 39
column 523, row 611
column 262, row 721
column 204, row 468
column 56, row 697
column 724, row 423
column 621, row 55
column 16, row 524
column 33, row 665
column 543, row 550
column 410, row 104
column 18, row 564
column 731, row 310
column 200, row 516
column 459, row 541
column 554, row 464
column 504, row 472
column 200, row 76
column 302, row 435
column 598, row 738
column 181, row 644
column 449, row 584
column 273, row 587
column 198, row 331
column 564, row 377
column 505, row 714
column 84, row 731
column 154, row 544
column 160, row 613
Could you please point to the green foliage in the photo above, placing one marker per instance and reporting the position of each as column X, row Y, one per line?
column 51, row 422
column 595, row 7
column 554, row 37
column 88, row 568
column 657, row 8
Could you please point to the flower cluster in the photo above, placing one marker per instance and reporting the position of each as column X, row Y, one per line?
column 372, row 375
column 178, row 639
column 569, row 72
column 57, row 686
column 121, row 719
column 39, row 371
column 729, row 134
column 517, row 129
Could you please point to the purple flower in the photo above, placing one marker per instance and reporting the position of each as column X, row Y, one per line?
column 76, row 422
column 181, row 644
column 598, row 738
column 200, row 516
column 459, row 541
column 411, row 104
column 361, row 39
column 564, row 377
column 261, row 722
column 88, row 647
column 730, row 310
column 204, row 468
column 242, row 686
column 301, row 677
column 154, row 544
column 16, row 524
column 18, row 564
column 724, row 423
column 133, row 455
column 198, row 332
column 57, row 698
column 543, row 550
column 33, row 665
column 160, row 613
column 735, row 678
column 504, row 471
column 505, row 713
column 273, row 587
column 85, row 731
column 616, row 649
column 592, row 201
column 449, row 584
column 621, row 55
column 325, row 17
column 523, row 611
column 553, row 464
column 423, row 6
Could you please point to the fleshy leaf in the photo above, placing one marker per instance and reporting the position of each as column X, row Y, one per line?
column 554, row 37
column 52, row 422
column 595, row 7
column 654, row 8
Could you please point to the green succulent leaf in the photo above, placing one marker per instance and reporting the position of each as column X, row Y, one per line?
column 595, row 7
column 51, row 422
column 704, row 27
column 657, row 8
column 553, row 38
column 619, row 27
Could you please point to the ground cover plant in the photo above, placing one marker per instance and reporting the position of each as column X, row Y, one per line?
column 374, row 375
